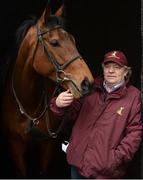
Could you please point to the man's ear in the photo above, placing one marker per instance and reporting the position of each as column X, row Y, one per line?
column 126, row 71
column 102, row 65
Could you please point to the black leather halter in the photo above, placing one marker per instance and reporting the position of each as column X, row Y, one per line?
column 57, row 68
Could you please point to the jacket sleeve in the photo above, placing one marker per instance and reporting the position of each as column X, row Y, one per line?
column 71, row 111
column 130, row 143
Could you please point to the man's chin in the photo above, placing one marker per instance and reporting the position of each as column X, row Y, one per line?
column 111, row 82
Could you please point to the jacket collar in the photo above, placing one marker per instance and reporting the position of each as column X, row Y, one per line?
column 120, row 92
column 114, row 87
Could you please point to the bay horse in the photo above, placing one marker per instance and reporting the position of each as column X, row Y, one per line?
column 47, row 56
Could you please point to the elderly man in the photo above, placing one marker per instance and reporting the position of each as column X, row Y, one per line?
column 108, row 129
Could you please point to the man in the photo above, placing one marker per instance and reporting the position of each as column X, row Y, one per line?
column 108, row 129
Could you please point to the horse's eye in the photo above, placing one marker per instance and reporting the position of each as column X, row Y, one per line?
column 54, row 43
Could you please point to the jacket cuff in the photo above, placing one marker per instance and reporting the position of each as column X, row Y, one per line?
column 56, row 110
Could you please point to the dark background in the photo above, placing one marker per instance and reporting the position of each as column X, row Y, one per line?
column 98, row 27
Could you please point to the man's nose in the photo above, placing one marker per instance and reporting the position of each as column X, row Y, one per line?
column 111, row 69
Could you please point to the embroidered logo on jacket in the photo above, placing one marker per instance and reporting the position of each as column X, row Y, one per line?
column 120, row 111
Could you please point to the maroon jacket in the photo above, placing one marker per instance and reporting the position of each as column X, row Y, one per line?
column 107, row 131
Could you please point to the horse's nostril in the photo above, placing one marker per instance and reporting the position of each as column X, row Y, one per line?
column 86, row 87
column 85, row 84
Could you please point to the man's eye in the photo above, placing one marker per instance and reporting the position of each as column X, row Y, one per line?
column 106, row 66
column 117, row 67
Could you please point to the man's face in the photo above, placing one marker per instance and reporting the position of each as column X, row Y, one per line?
column 113, row 73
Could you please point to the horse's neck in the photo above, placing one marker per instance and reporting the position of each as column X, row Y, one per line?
column 30, row 87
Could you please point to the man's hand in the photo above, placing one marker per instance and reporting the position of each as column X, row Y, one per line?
column 64, row 99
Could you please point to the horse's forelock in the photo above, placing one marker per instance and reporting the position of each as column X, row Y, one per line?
column 54, row 21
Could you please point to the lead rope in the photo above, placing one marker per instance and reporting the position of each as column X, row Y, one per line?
column 52, row 134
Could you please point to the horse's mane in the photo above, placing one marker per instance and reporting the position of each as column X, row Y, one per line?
column 6, row 65
column 22, row 30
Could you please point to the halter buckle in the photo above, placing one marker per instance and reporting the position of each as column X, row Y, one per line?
column 53, row 135
column 35, row 122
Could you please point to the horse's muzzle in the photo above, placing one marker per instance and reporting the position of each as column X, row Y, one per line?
column 86, row 87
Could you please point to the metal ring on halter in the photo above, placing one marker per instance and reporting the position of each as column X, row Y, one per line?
column 53, row 135
column 36, row 122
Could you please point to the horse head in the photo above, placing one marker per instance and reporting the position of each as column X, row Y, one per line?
column 55, row 55
column 51, row 52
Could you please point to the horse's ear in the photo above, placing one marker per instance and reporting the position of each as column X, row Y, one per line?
column 60, row 12
column 45, row 15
